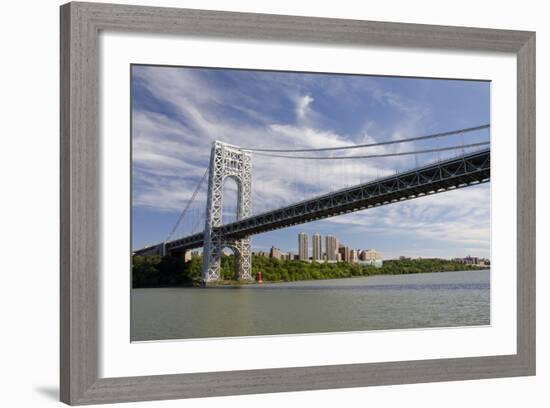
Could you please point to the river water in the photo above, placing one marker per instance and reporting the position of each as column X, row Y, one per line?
column 366, row 303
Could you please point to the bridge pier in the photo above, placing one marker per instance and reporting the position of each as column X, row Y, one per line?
column 184, row 255
column 212, row 260
column 243, row 259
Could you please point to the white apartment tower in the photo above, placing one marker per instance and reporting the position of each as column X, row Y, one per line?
column 331, row 246
column 303, row 249
column 317, row 251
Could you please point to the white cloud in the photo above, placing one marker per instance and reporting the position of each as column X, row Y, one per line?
column 303, row 106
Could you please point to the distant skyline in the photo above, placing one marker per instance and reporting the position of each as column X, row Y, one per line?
column 177, row 112
column 323, row 250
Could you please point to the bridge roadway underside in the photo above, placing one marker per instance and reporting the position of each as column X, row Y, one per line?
column 443, row 176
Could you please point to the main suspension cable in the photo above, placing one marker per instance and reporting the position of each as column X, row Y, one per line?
column 369, row 156
column 189, row 202
column 389, row 142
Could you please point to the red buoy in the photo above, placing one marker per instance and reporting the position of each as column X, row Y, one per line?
column 259, row 277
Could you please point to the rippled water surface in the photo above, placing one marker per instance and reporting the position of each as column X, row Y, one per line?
column 366, row 303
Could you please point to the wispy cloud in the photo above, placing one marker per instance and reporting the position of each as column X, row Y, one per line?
column 302, row 106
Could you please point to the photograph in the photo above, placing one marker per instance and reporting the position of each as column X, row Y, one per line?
column 275, row 204
column 279, row 203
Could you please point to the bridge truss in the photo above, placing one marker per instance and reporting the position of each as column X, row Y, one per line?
column 458, row 172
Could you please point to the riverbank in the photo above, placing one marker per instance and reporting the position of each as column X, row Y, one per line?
column 156, row 271
column 236, row 283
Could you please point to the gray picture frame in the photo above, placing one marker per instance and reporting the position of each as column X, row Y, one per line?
column 80, row 192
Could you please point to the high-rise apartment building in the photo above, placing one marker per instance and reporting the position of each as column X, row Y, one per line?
column 369, row 255
column 316, row 249
column 354, row 255
column 275, row 253
column 344, row 253
column 331, row 247
column 303, row 249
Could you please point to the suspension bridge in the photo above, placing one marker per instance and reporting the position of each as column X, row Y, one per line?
column 471, row 166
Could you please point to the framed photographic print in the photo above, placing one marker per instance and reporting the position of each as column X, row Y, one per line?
column 283, row 202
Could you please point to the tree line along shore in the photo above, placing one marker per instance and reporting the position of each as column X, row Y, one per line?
column 167, row 271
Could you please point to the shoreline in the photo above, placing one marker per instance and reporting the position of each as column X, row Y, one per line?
column 236, row 283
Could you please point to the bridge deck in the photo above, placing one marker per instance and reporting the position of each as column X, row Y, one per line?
column 446, row 175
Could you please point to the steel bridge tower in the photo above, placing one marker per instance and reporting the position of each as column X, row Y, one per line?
column 226, row 161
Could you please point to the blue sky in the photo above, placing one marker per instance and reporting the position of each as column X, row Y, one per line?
column 177, row 112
